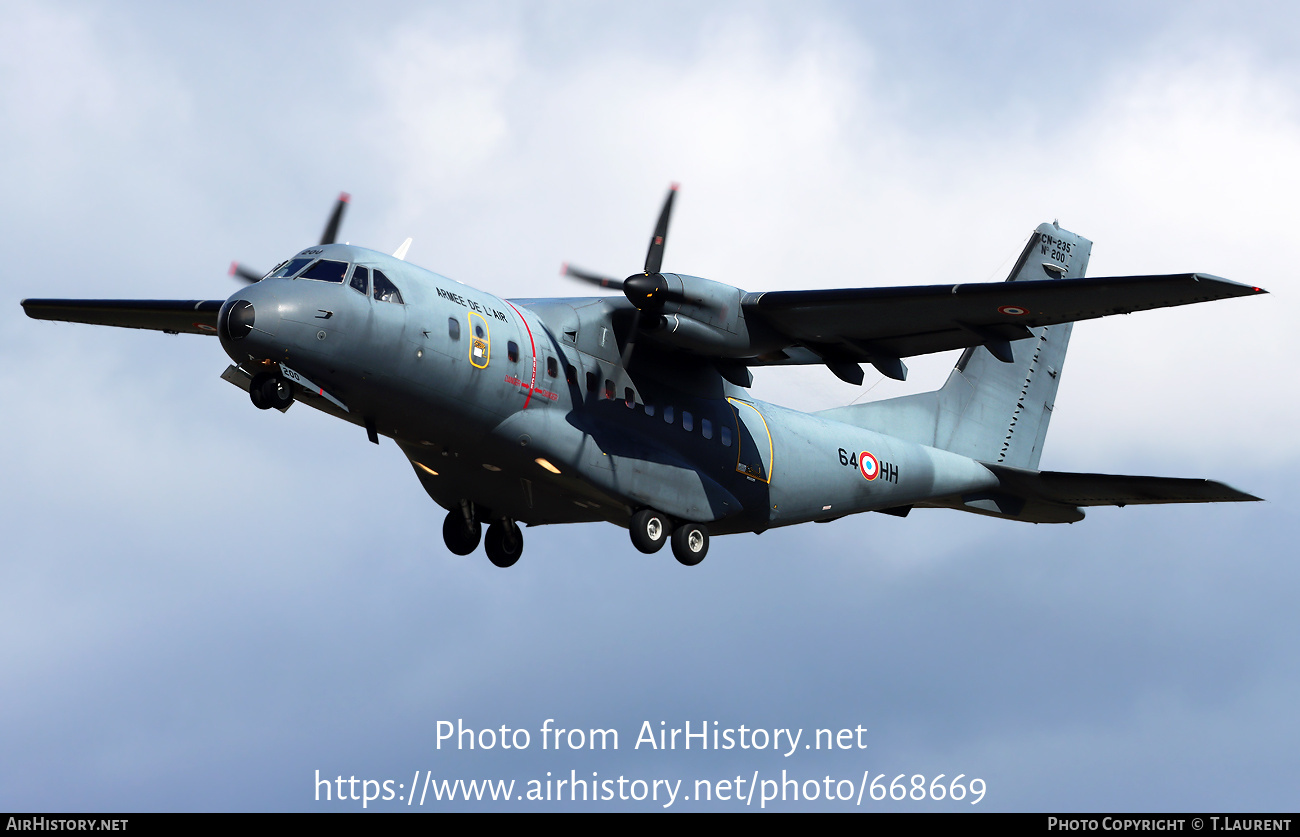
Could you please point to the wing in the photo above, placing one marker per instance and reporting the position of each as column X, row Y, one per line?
column 172, row 316
column 861, row 324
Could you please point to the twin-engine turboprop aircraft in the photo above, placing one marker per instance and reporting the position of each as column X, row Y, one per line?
column 634, row 410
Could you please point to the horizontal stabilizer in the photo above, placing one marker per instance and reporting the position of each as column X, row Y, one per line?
column 173, row 316
column 1112, row 489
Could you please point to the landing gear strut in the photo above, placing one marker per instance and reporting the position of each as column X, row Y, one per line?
column 270, row 391
column 461, row 535
column 504, row 543
column 649, row 530
column 690, row 543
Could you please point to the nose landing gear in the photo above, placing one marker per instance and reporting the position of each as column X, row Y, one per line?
column 504, row 543
column 462, row 530
column 270, row 391
column 461, row 535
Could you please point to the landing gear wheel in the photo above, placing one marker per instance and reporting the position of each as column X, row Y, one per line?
column 649, row 531
column 504, row 543
column 461, row 538
column 270, row 391
column 690, row 543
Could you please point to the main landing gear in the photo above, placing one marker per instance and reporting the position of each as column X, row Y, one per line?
column 270, row 391
column 649, row 530
column 504, row 543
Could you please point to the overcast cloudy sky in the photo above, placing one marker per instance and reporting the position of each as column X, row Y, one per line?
column 201, row 605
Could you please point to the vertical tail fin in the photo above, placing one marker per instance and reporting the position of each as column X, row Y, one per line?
column 998, row 400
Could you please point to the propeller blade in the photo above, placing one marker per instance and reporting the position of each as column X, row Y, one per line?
column 654, row 257
column 238, row 271
column 332, row 228
column 631, row 339
column 592, row 278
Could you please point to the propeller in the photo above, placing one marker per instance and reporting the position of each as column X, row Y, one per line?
column 331, row 233
column 329, row 236
column 648, row 290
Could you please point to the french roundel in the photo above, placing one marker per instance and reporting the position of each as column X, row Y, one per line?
column 869, row 464
column 1013, row 310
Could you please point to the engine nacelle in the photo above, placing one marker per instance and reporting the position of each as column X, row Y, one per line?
column 700, row 315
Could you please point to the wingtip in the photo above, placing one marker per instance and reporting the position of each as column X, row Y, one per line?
column 344, row 197
column 1244, row 289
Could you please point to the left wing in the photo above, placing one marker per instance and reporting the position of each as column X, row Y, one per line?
column 172, row 316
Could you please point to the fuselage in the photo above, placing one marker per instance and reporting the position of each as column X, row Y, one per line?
column 524, row 407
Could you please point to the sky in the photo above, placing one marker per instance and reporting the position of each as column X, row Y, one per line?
column 206, row 607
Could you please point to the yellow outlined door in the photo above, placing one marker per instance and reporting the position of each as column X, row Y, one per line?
column 754, row 445
column 480, row 342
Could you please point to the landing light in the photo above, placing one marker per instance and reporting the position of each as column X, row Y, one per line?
column 547, row 465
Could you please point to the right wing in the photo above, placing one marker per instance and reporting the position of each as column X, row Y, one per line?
column 855, row 324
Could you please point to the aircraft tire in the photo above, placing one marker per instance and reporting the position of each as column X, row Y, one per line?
column 269, row 391
column 649, row 530
column 460, row 539
column 504, row 544
column 256, row 392
column 277, row 392
column 690, row 543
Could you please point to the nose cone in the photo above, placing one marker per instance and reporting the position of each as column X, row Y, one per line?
column 248, row 321
column 238, row 319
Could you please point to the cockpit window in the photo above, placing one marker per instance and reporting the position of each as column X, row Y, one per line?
column 361, row 280
column 326, row 270
column 289, row 268
column 386, row 291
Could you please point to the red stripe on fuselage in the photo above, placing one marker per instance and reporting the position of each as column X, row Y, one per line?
column 533, row 347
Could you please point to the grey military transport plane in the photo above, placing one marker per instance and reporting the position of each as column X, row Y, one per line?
column 634, row 409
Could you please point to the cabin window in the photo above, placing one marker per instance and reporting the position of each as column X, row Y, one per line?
column 326, row 270
column 629, row 397
column 609, row 389
column 591, row 382
column 453, row 328
column 688, row 421
column 706, row 428
column 512, row 351
column 725, row 433
column 668, row 414
column 386, row 291
column 649, row 409
column 552, row 367
column 360, row 280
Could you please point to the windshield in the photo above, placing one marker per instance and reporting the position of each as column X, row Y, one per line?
column 326, row 270
column 289, row 268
